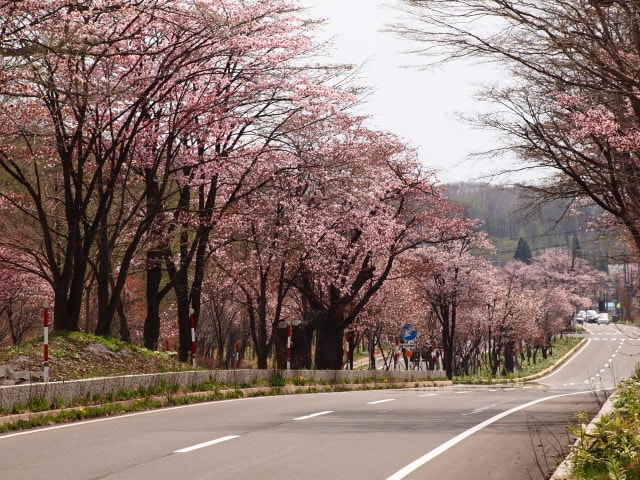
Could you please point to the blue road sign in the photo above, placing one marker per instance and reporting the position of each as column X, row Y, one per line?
column 408, row 332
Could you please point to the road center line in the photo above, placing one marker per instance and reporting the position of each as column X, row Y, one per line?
column 313, row 415
column 206, row 444
column 403, row 472
column 381, row 401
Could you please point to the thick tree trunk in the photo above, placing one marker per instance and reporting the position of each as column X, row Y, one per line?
column 329, row 344
column 280, row 345
column 447, row 317
column 125, row 333
column 102, row 279
column 262, row 357
column 301, row 340
column 301, row 350
column 184, row 326
column 151, row 332
column 509, row 360
column 258, row 330
column 66, row 309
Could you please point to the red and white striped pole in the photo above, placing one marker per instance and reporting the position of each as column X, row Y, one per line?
column 192, row 323
column 289, row 346
column 45, row 322
column 237, row 355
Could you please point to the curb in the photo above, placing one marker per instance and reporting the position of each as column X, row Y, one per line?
column 547, row 370
column 563, row 472
column 248, row 392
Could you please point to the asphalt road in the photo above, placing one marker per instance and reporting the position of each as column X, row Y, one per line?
column 460, row 432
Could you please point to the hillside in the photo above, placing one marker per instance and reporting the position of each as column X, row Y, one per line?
column 508, row 214
column 75, row 355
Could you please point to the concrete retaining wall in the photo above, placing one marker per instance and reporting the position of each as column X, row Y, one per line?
column 67, row 392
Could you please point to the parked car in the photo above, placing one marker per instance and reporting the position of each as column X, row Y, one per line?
column 603, row 318
column 592, row 316
column 580, row 316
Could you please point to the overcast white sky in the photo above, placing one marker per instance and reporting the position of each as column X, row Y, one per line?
column 417, row 105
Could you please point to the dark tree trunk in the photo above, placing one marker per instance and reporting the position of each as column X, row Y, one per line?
column 258, row 330
column 301, row 350
column 280, row 344
column 66, row 310
column 151, row 332
column 102, row 279
column 301, row 339
column 155, row 256
column 447, row 316
column 125, row 333
column 329, row 344
column 181, row 289
column 509, row 363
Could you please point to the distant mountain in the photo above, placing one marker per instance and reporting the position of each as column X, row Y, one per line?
column 507, row 215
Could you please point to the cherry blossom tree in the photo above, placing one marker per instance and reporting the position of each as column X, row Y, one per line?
column 564, row 282
column 390, row 208
column 222, row 321
column 91, row 98
column 143, row 122
column 22, row 296
column 511, row 319
column 395, row 304
column 261, row 258
column 250, row 97
column 23, row 291
column 472, row 337
column 452, row 277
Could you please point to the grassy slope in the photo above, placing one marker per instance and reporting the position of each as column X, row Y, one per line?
column 76, row 355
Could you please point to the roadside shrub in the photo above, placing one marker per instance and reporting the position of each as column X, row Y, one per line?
column 35, row 404
column 277, row 380
column 611, row 450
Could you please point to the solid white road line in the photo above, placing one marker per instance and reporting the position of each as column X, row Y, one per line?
column 206, row 444
column 403, row 472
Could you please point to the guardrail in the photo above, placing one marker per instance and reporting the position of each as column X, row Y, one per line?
column 68, row 391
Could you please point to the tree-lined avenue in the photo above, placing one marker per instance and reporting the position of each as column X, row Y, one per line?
column 489, row 431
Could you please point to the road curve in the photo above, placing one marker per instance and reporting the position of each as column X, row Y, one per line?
column 460, row 432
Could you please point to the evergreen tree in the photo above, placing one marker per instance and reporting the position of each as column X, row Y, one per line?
column 523, row 252
column 576, row 251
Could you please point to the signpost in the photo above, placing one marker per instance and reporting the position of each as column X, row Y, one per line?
column 408, row 335
column 408, row 332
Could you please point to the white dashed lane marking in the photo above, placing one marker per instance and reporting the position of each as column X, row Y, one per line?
column 381, row 401
column 206, row 444
column 306, row 417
